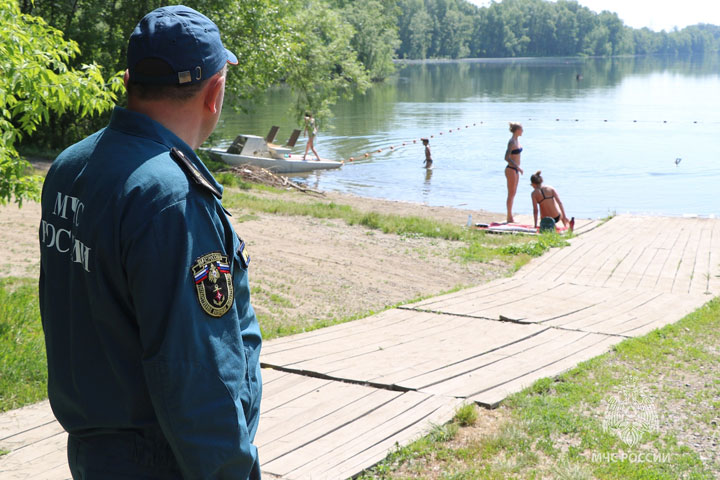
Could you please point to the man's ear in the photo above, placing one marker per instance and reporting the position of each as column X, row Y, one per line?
column 214, row 93
column 126, row 78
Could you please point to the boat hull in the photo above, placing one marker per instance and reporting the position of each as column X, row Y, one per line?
column 277, row 165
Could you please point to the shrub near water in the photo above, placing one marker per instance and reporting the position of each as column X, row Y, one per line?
column 23, row 365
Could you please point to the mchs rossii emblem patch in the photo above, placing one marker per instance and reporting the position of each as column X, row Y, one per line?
column 213, row 283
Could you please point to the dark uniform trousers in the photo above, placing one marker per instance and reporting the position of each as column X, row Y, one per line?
column 129, row 457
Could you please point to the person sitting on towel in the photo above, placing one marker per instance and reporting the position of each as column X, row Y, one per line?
column 547, row 199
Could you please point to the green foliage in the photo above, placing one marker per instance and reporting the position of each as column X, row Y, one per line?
column 324, row 65
column 420, row 35
column 482, row 247
column 375, row 39
column 535, row 248
column 466, row 415
column 514, row 28
column 23, row 370
column 443, row 433
column 260, row 33
column 35, row 82
column 321, row 49
column 227, row 179
column 257, row 31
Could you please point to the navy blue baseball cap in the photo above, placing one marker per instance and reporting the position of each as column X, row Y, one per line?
column 186, row 40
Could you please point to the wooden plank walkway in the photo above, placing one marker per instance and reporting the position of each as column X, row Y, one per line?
column 337, row 400
column 311, row 428
column 315, row 428
column 628, row 277
column 471, row 358
column 36, row 443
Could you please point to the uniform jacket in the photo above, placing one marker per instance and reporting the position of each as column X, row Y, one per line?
column 145, row 302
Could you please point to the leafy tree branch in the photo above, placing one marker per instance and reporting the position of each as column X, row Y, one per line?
column 35, row 82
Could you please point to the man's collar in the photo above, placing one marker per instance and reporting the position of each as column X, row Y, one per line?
column 140, row 125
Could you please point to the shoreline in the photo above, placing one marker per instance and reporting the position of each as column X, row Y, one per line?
column 545, row 60
column 383, row 205
column 452, row 214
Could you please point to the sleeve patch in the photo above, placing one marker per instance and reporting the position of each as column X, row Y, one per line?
column 213, row 283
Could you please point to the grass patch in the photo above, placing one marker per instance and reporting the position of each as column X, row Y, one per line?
column 537, row 246
column 608, row 217
column 272, row 328
column 23, row 365
column 433, row 446
column 29, row 150
column 480, row 246
column 228, row 180
column 516, row 250
column 466, row 415
column 273, row 298
column 396, row 224
column 246, row 218
column 212, row 165
column 555, row 429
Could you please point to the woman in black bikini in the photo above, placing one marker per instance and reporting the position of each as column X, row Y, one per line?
column 554, row 208
column 513, row 170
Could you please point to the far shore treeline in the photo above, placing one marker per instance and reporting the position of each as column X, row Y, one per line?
column 320, row 49
column 534, row 28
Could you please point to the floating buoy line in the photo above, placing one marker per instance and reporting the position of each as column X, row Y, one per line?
column 365, row 156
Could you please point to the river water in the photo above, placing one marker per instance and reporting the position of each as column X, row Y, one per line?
column 630, row 135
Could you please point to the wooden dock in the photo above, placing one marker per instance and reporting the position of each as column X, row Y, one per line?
column 337, row 400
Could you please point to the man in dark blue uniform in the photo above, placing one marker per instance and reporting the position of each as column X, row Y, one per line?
column 152, row 344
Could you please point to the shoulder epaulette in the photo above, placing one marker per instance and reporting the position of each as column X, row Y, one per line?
column 192, row 172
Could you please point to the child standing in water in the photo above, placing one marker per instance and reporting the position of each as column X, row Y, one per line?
column 428, row 158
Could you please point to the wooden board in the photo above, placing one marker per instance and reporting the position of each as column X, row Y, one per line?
column 44, row 458
column 338, row 429
column 587, row 348
column 36, row 443
column 667, row 254
column 391, row 353
column 613, row 311
column 310, row 428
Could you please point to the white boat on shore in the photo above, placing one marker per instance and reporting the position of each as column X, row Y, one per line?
column 258, row 151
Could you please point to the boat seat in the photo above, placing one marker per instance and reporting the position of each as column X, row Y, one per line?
column 236, row 146
column 270, row 138
column 293, row 138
